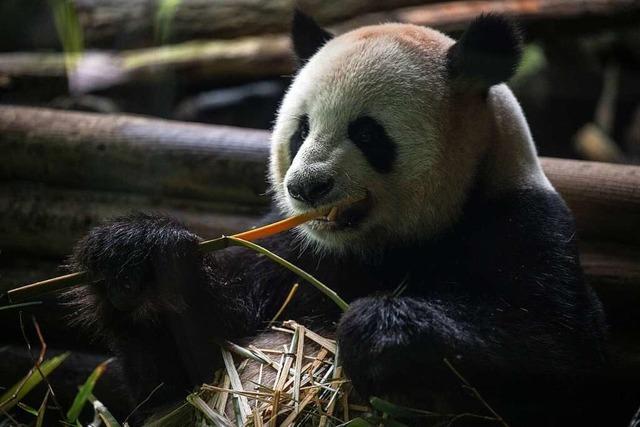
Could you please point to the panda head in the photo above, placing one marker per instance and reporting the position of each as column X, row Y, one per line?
column 394, row 116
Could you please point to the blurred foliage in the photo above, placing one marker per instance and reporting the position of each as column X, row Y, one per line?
column 533, row 62
column 69, row 30
column 164, row 16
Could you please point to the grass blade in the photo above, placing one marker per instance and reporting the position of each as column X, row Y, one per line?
column 42, row 409
column 85, row 391
column 19, row 390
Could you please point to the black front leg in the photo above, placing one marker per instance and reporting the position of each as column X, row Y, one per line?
column 395, row 348
column 387, row 343
column 157, row 301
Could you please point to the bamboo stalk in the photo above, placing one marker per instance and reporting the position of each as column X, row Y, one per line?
column 240, row 239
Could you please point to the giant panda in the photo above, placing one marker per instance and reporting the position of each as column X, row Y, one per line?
column 452, row 206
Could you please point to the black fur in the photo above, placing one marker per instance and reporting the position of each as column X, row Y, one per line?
column 372, row 139
column 500, row 295
column 298, row 137
column 488, row 52
column 307, row 36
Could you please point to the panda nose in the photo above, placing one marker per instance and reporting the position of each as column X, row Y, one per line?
column 310, row 191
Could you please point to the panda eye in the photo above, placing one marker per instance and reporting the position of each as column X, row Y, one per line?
column 372, row 139
column 298, row 137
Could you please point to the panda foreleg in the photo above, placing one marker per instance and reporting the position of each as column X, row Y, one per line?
column 395, row 348
column 157, row 302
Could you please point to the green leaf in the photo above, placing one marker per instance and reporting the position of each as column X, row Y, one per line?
column 85, row 391
column 19, row 390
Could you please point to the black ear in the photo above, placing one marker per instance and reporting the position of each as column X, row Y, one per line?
column 307, row 36
column 488, row 52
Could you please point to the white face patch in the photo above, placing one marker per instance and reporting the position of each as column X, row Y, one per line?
column 381, row 86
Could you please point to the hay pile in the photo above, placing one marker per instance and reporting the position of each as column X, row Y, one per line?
column 300, row 383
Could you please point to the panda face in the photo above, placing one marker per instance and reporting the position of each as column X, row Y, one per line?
column 361, row 122
column 372, row 117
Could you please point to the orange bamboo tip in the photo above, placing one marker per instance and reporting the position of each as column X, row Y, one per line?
column 280, row 226
column 294, row 221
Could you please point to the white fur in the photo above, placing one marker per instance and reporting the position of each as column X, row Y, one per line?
column 396, row 73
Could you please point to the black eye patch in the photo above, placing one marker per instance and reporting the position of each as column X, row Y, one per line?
column 298, row 136
column 371, row 138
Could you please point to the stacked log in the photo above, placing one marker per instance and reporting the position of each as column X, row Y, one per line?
column 259, row 46
column 81, row 168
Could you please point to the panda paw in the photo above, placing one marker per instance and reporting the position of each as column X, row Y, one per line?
column 384, row 341
column 138, row 261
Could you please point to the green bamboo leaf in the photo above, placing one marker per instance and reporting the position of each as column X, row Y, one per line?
column 85, row 391
column 19, row 390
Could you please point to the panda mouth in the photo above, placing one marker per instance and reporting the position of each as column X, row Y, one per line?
column 347, row 214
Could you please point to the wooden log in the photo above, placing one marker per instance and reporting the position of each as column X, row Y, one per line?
column 103, row 21
column 134, row 154
column 267, row 56
column 40, row 220
column 613, row 270
column 534, row 15
column 604, row 197
column 134, row 23
column 223, row 164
